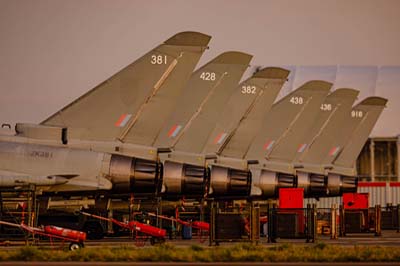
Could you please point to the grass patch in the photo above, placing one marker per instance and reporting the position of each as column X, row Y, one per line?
column 320, row 252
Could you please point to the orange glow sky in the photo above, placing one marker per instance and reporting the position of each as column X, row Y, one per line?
column 51, row 52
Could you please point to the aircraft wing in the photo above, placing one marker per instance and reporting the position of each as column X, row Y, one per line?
column 14, row 179
column 81, row 183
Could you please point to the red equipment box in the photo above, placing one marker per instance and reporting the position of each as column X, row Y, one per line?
column 291, row 203
column 355, row 200
column 291, row 198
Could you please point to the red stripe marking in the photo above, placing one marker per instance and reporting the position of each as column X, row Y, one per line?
column 217, row 138
column 394, row 184
column 171, row 131
column 371, row 184
column 118, row 123
column 301, row 145
column 266, row 145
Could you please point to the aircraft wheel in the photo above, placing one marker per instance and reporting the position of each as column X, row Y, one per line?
column 74, row 246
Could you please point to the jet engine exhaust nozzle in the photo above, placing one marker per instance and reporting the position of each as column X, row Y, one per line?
column 180, row 179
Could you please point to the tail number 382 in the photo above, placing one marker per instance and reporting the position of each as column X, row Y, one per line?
column 249, row 89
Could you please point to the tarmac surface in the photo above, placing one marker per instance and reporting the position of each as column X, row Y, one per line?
column 24, row 263
column 388, row 238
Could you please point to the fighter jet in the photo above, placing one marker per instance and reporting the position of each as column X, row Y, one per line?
column 335, row 165
column 188, row 165
column 124, row 101
column 238, row 152
column 211, row 147
column 311, row 167
column 278, row 158
column 219, row 74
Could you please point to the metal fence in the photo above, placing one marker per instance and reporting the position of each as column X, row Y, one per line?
column 380, row 193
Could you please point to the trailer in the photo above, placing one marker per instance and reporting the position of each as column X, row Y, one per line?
column 202, row 227
column 75, row 238
column 141, row 232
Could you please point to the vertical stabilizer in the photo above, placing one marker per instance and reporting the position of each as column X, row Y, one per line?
column 105, row 112
column 311, row 121
column 332, row 140
column 370, row 109
column 282, row 116
column 265, row 86
column 227, row 68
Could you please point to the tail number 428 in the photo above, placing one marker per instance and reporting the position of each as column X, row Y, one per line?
column 208, row 76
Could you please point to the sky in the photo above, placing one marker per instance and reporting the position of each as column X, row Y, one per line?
column 53, row 51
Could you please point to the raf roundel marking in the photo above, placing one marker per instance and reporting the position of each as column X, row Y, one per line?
column 268, row 145
column 220, row 138
column 334, row 151
column 174, row 131
column 123, row 119
column 302, row 147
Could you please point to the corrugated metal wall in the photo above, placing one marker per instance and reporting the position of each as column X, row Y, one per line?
column 370, row 80
column 324, row 202
column 380, row 193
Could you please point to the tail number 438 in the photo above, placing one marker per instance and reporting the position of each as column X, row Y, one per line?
column 297, row 100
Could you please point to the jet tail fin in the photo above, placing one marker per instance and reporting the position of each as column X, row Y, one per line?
column 104, row 112
column 266, row 85
column 311, row 121
column 281, row 117
column 194, row 137
column 370, row 109
column 227, row 67
column 330, row 143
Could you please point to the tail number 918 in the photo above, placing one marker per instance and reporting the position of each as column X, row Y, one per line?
column 357, row 114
